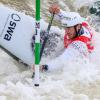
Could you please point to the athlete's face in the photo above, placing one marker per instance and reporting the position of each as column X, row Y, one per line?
column 71, row 32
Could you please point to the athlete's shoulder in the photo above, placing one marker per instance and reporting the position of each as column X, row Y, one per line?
column 87, row 32
column 80, row 46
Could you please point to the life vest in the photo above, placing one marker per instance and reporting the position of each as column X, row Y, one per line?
column 86, row 38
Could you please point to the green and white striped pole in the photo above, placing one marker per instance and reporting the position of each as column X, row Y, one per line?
column 37, row 43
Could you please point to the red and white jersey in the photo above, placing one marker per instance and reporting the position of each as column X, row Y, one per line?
column 85, row 38
column 78, row 48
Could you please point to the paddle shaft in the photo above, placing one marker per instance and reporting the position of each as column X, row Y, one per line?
column 46, row 37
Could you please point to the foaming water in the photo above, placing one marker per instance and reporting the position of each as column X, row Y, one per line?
column 76, row 81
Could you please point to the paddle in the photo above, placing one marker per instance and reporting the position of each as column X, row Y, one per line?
column 47, row 34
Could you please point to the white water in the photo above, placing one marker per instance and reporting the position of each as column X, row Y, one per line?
column 77, row 81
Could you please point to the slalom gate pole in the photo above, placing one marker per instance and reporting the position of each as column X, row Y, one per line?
column 37, row 43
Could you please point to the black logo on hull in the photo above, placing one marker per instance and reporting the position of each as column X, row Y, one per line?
column 12, row 25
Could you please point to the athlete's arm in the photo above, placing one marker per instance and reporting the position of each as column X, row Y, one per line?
column 74, row 50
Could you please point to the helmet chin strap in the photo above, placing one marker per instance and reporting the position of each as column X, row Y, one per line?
column 77, row 31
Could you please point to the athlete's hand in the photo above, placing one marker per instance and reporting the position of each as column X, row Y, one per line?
column 54, row 9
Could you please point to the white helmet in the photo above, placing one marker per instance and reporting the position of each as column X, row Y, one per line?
column 71, row 19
